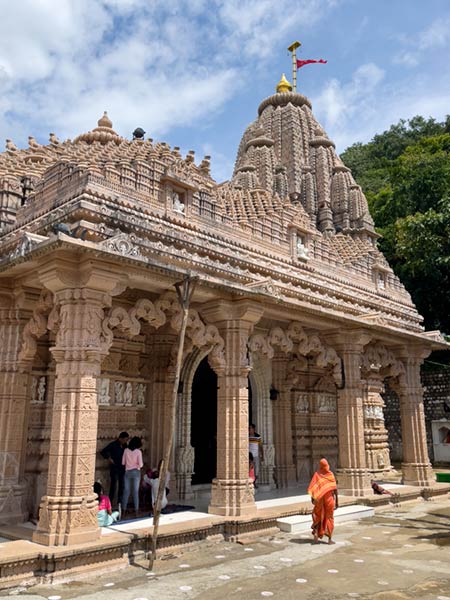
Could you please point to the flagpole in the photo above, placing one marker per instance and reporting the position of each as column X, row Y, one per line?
column 293, row 50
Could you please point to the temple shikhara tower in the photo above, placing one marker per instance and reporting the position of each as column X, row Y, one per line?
column 296, row 324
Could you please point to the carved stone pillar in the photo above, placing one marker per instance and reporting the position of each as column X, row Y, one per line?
column 14, row 404
column 282, row 421
column 162, row 376
column 416, row 465
column 375, row 432
column 353, row 476
column 232, row 491
column 68, row 512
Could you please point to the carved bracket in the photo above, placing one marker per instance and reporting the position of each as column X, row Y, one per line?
column 157, row 314
column 43, row 314
column 295, row 340
column 379, row 360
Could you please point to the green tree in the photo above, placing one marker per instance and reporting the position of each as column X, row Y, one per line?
column 405, row 173
column 414, row 182
column 423, row 261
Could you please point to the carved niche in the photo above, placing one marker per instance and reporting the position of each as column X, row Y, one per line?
column 38, row 389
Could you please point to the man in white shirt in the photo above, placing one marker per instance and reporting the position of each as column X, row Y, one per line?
column 154, row 483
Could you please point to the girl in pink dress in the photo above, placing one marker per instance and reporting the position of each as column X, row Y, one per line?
column 105, row 515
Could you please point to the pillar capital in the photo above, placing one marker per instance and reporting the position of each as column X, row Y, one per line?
column 80, row 313
column 235, row 322
column 409, row 385
column 60, row 274
column 220, row 312
column 413, row 354
column 349, row 341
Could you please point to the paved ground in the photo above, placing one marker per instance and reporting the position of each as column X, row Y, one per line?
column 401, row 553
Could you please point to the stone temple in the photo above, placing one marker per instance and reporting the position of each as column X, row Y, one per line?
column 296, row 323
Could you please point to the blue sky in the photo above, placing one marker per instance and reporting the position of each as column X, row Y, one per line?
column 193, row 72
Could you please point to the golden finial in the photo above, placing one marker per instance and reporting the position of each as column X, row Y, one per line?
column 284, row 85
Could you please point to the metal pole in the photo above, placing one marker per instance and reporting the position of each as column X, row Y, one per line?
column 184, row 289
column 293, row 49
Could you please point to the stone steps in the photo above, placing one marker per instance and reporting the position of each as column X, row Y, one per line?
column 301, row 523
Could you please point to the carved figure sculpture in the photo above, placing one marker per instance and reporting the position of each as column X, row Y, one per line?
column 177, row 204
column 118, row 393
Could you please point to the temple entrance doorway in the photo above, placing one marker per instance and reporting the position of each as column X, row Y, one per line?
column 204, row 423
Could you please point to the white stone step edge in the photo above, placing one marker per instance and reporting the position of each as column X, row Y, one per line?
column 299, row 523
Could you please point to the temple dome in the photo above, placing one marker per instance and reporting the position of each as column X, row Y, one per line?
column 103, row 133
column 292, row 154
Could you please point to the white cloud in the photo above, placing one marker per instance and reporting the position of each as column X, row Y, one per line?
column 254, row 26
column 156, row 63
column 369, row 103
column 367, row 77
column 409, row 59
column 338, row 103
column 437, row 35
column 47, row 33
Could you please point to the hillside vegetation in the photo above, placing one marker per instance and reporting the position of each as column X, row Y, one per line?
column 405, row 174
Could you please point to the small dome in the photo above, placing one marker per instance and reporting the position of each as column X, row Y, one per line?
column 283, row 85
column 104, row 133
column 105, row 121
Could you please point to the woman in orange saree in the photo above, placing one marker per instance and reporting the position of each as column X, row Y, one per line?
column 323, row 492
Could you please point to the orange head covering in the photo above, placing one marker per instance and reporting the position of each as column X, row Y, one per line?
column 323, row 481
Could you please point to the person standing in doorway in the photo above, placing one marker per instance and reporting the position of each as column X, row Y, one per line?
column 133, row 463
column 256, row 448
column 113, row 453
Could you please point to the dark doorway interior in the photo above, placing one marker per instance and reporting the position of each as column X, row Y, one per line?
column 204, row 423
column 250, row 402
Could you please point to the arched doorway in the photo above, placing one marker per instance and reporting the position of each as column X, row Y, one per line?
column 204, row 423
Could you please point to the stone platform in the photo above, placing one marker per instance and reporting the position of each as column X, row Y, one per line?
column 24, row 562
